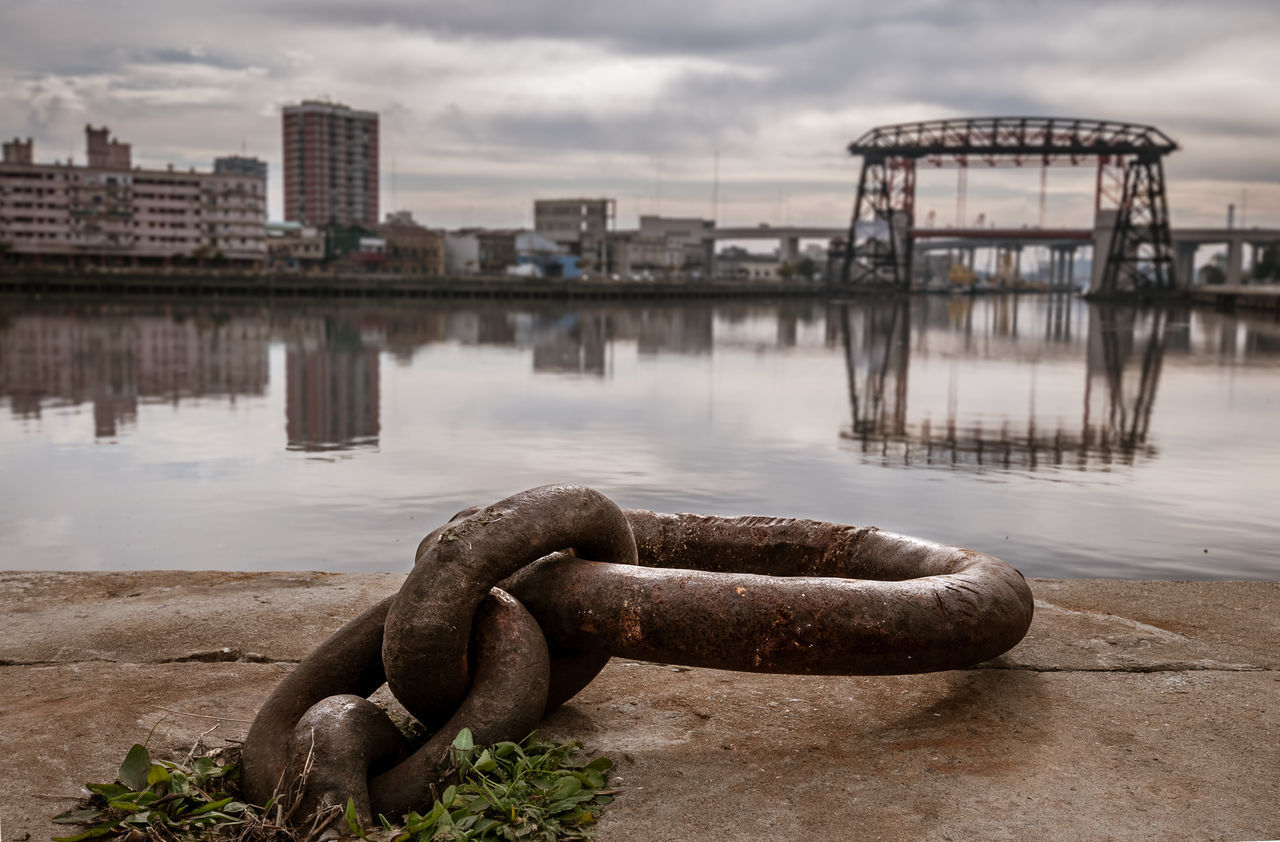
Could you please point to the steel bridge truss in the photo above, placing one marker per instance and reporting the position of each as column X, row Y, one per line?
column 878, row 250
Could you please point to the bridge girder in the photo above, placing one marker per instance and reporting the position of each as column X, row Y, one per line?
column 878, row 252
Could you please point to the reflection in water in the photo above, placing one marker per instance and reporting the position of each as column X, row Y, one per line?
column 569, row 343
column 1125, row 348
column 332, row 386
column 806, row 408
column 876, row 351
column 115, row 358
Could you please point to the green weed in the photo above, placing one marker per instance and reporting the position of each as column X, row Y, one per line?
column 531, row 790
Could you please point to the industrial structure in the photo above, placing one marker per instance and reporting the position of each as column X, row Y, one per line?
column 330, row 164
column 1133, row 250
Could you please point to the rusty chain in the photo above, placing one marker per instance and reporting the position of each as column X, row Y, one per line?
column 510, row 610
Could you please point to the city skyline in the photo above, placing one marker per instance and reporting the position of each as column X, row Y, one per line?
column 735, row 112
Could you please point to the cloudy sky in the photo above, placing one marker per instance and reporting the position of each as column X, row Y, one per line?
column 485, row 106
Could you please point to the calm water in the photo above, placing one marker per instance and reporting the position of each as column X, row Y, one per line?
column 1069, row 440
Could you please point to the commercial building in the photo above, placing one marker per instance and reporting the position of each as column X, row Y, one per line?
column 581, row 225
column 330, row 165
column 663, row 246
column 485, row 251
column 111, row 212
column 294, row 247
column 462, row 252
column 736, row 262
column 412, row 249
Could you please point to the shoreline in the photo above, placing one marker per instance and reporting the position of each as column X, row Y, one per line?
column 1133, row 709
column 217, row 286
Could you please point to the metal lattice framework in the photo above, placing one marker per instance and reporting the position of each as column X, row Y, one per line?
column 1130, row 180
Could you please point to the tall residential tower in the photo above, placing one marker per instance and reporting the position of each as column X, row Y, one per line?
column 330, row 164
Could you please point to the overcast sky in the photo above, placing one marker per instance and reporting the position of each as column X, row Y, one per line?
column 485, row 106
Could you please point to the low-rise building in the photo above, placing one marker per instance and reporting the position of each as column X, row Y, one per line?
column 497, row 250
column 741, row 264
column 580, row 225
column 462, row 253
column 412, row 249
column 663, row 246
column 293, row 247
column 483, row 251
column 111, row 212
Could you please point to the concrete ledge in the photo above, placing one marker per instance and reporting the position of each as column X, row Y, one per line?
column 1132, row 710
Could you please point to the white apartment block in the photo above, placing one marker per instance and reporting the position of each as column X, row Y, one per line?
column 110, row 212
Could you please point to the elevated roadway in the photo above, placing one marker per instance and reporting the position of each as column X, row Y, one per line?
column 1185, row 241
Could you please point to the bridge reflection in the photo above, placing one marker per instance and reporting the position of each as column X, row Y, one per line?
column 1124, row 348
column 1004, row 382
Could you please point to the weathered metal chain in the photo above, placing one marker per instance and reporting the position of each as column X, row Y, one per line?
column 512, row 609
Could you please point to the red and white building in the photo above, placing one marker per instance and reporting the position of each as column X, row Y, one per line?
column 330, row 165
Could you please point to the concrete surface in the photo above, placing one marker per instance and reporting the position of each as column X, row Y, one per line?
column 1132, row 710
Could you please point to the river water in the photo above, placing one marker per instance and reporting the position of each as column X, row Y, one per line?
column 1068, row 439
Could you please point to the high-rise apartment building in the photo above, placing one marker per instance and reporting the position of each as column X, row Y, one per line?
column 330, row 164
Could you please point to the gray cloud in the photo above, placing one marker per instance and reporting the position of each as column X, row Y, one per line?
column 779, row 89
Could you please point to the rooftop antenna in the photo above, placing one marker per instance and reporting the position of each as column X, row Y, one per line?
column 657, row 185
column 715, row 188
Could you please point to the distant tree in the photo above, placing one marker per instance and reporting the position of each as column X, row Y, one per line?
column 806, row 268
column 785, row 271
column 1267, row 266
column 1212, row 275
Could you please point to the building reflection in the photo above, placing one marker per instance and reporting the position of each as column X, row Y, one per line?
column 332, row 390
column 573, row 339
column 1124, row 350
column 568, row 342
column 687, row 329
column 935, row 380
column 115, row 359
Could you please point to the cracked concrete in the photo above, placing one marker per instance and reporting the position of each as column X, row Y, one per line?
column 1132, row 710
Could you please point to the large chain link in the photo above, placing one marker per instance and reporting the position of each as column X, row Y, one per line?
column 510, row 610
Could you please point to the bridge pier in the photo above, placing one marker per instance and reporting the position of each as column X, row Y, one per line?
column 1104, row 224
column 1068, row 279
column 1184, row 264
column 789, row 250
column 1235, row 261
